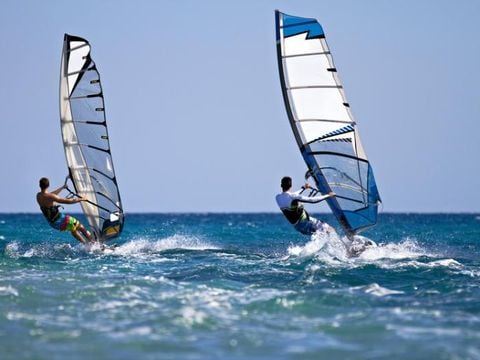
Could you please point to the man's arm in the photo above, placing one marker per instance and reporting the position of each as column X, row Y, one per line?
column 56, row 192
column 312, row 199
column 63, row 200
column 303, row 188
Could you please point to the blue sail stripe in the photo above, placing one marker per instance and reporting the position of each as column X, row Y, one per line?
column 293, row 25
column 343, row 130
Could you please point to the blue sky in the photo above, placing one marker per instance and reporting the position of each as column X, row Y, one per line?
column 195, row 112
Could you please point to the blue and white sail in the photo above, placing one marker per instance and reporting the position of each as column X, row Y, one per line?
column 85, row 139
column 322, row 122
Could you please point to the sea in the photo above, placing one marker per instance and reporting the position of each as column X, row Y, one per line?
column 241, row 286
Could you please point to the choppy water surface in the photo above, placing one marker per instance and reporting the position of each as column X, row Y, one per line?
column 237, row 286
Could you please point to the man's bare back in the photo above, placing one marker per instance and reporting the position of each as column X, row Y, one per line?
column 48, row 204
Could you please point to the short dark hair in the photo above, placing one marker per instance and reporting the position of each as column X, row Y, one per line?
column 286, row 183
column 44, row 183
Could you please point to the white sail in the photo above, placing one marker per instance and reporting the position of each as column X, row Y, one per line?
column 322, row 122
column 85, row 139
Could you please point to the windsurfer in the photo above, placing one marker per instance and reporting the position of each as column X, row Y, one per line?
column 46, row 200
column 290, row 204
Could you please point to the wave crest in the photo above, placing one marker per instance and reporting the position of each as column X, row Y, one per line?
column 175, row 242
column 138, row 247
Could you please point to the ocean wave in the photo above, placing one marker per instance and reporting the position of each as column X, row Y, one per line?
column 320, row 242
column 470, row 272
column 329, row 252
column 147, row 246
column 325, row 246
column 405, row 249
column 377, row 290
column 450, row 264
column 138, row 247
column 8, row 290
column 415, row 331
column 374, row 289
column 203, row 303
column 11, row 250
column 18, row 250
column 332, row 250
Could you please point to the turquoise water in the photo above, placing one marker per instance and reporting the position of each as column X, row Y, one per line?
column 241, row 286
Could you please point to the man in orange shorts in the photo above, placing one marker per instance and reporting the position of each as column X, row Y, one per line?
column 47, row 201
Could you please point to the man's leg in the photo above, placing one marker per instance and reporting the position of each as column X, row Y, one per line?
column 77, row 236
column 85, row 232
column 322, row 226
column 74, row 226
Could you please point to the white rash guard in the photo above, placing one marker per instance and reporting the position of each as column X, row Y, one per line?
column 288, row 202
column 285, row 199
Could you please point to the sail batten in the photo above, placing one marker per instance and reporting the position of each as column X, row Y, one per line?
column 305, row 55
column 322, row 122
column 77, row 47
column 315, row 87
column 328, row 120
column 86, row 144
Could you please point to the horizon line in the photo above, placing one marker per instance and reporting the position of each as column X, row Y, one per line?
column 254, row 212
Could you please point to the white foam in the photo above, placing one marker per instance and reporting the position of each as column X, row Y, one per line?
column 12, row 315
column 406, row 249
column 29, row 253
column 12, row 249
column 443, row 263
column 200, row 303
column 378, row 290
column 470, row 272
column 190, row 316
column 326, row 248
column 135, row 248
column 94, row 248
column 147, row 246
column 414, row 332
column 8, row 290
column 331, row 250
column 288, row 303
column 450, row 263
column 313, row 247
column 140, row 331
column 412, row 313
column 49, row 249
